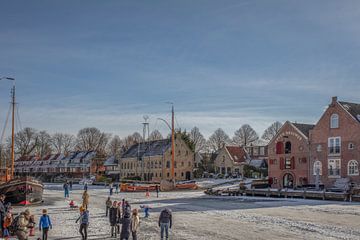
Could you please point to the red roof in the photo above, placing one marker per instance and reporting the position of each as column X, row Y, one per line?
column 238, row 154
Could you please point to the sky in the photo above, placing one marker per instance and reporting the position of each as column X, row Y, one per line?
column 106, row 64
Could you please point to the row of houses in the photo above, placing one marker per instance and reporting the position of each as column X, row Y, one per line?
column 325, row 153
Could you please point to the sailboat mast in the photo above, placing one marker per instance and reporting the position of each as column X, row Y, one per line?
column 13, row 132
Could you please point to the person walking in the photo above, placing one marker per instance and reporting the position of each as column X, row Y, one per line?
column 111, row 188
column 113, row 218
column 108, row 205
column 66, row 189
column 119, row 207
column 85, row 186
column 85, row 198
column 135, row 224
column 125, row 227
column 116, row 188
column 23, row 223
column 165, row 222
column 84, row 222
column 2, row 214
column 45, row 224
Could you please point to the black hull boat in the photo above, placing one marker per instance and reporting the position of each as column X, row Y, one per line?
column 22, row 191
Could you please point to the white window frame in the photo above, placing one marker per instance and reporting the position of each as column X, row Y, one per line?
column 351, row 146
column 355, row 165
column 332, row 143
column 334, row 121
column 317, row 164
column 335, row 164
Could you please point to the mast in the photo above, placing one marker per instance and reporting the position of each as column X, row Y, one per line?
column 172, row 145
column 13, row 132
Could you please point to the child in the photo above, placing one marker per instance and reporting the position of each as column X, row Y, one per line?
column 108, row 205
column 31, row 226
column 135, row 223
column 72, row 204
column 7, row 223
column 84, row 222
column 146, row 210
column 45, row 224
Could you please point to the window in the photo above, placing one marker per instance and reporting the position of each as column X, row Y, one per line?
column 175, row 165
column 167, row 164
column 287, row 163
column 334, row 167
column 353, row 169
column 262, row 151
column 318, row 148
column 182, row 164
column 287, row 147
column 334, row 145
column 334, row 121
column 279, row 148
column 317, row 165
column 182, row 174
column 168, row 174
column 351, row 146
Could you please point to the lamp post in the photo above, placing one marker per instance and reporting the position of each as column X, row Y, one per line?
column 12, row 127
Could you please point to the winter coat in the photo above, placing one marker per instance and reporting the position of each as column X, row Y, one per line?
column 23, row 223
column 165, row 217
column 125, row 228
column 108, row 203
column 135, row 223
column 84, row 217
column 113, row 216
column 45, row 222
column 85, row 198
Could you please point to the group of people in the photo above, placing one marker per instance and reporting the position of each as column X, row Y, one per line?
column 23, row 225
column 120, row 214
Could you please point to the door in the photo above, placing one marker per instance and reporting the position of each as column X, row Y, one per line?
column 288, row 180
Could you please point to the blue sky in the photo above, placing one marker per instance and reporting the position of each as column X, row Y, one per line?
column 223, row 63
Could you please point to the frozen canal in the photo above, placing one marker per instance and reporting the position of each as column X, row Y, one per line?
column 198, row 216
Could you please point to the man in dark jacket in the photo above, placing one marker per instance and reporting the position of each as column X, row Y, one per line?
column 165, row 222
column 113, row 218
column 2, row 214
column 125, row 227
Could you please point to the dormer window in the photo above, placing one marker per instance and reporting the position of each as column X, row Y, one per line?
column 334, row 121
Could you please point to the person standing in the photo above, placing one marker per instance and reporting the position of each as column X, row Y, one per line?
column 113, row 218
column 45, row 224
column 147, row 194
column 157, row 188
column 135, row 224
column 125, row 227
column 165, row 222
column 23, row 225
column 70, row 184
column 85, row 186
column 7, row 223
column 111, row 188
column 66, row 189
column 84, row 222
column 108, row 205
column 116, row 188
column 2, row 214
column 123, row 207
column 85, row 198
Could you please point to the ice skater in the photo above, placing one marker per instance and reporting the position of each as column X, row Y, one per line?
column 45, row 224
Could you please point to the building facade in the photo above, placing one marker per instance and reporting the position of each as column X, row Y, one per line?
column 151, row 161
column 289, row 156
column 231, row 160
column 335, row 147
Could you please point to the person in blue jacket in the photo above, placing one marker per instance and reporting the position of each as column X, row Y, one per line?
column 45, row 224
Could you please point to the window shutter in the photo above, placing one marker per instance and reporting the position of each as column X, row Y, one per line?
column 292, row 163
column 282, row 164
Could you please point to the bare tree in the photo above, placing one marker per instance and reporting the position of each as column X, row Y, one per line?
column 115, row 146
column 198, row 139
column 245, row 135
column 137, row 137
column 218, row 140
column 63, row 143
column 155, row 135
column 271, row 131
column 92, row 139
column 25, row 141
column 43, row 146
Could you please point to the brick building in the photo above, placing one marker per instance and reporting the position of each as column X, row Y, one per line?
column 152, row 160
column 231, row 160
column 289, row 156
column 335, row 147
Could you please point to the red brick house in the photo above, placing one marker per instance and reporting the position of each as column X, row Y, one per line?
column 289, row 156
column 335, row 144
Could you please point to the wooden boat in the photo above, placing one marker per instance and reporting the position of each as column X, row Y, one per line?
column 18, row 190
column 125, row 187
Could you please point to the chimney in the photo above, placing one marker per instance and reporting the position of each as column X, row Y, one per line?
column 334, row 100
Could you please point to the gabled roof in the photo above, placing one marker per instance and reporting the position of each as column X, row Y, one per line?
column 352, row 108
column 258, row 163
column 146, row 149
column 111, row 161
column 238, row 154
column 304, row 128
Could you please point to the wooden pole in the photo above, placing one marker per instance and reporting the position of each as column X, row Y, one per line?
column 172, row 145
column 13, row 133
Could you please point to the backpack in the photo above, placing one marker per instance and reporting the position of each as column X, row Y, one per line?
column 14, row 225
